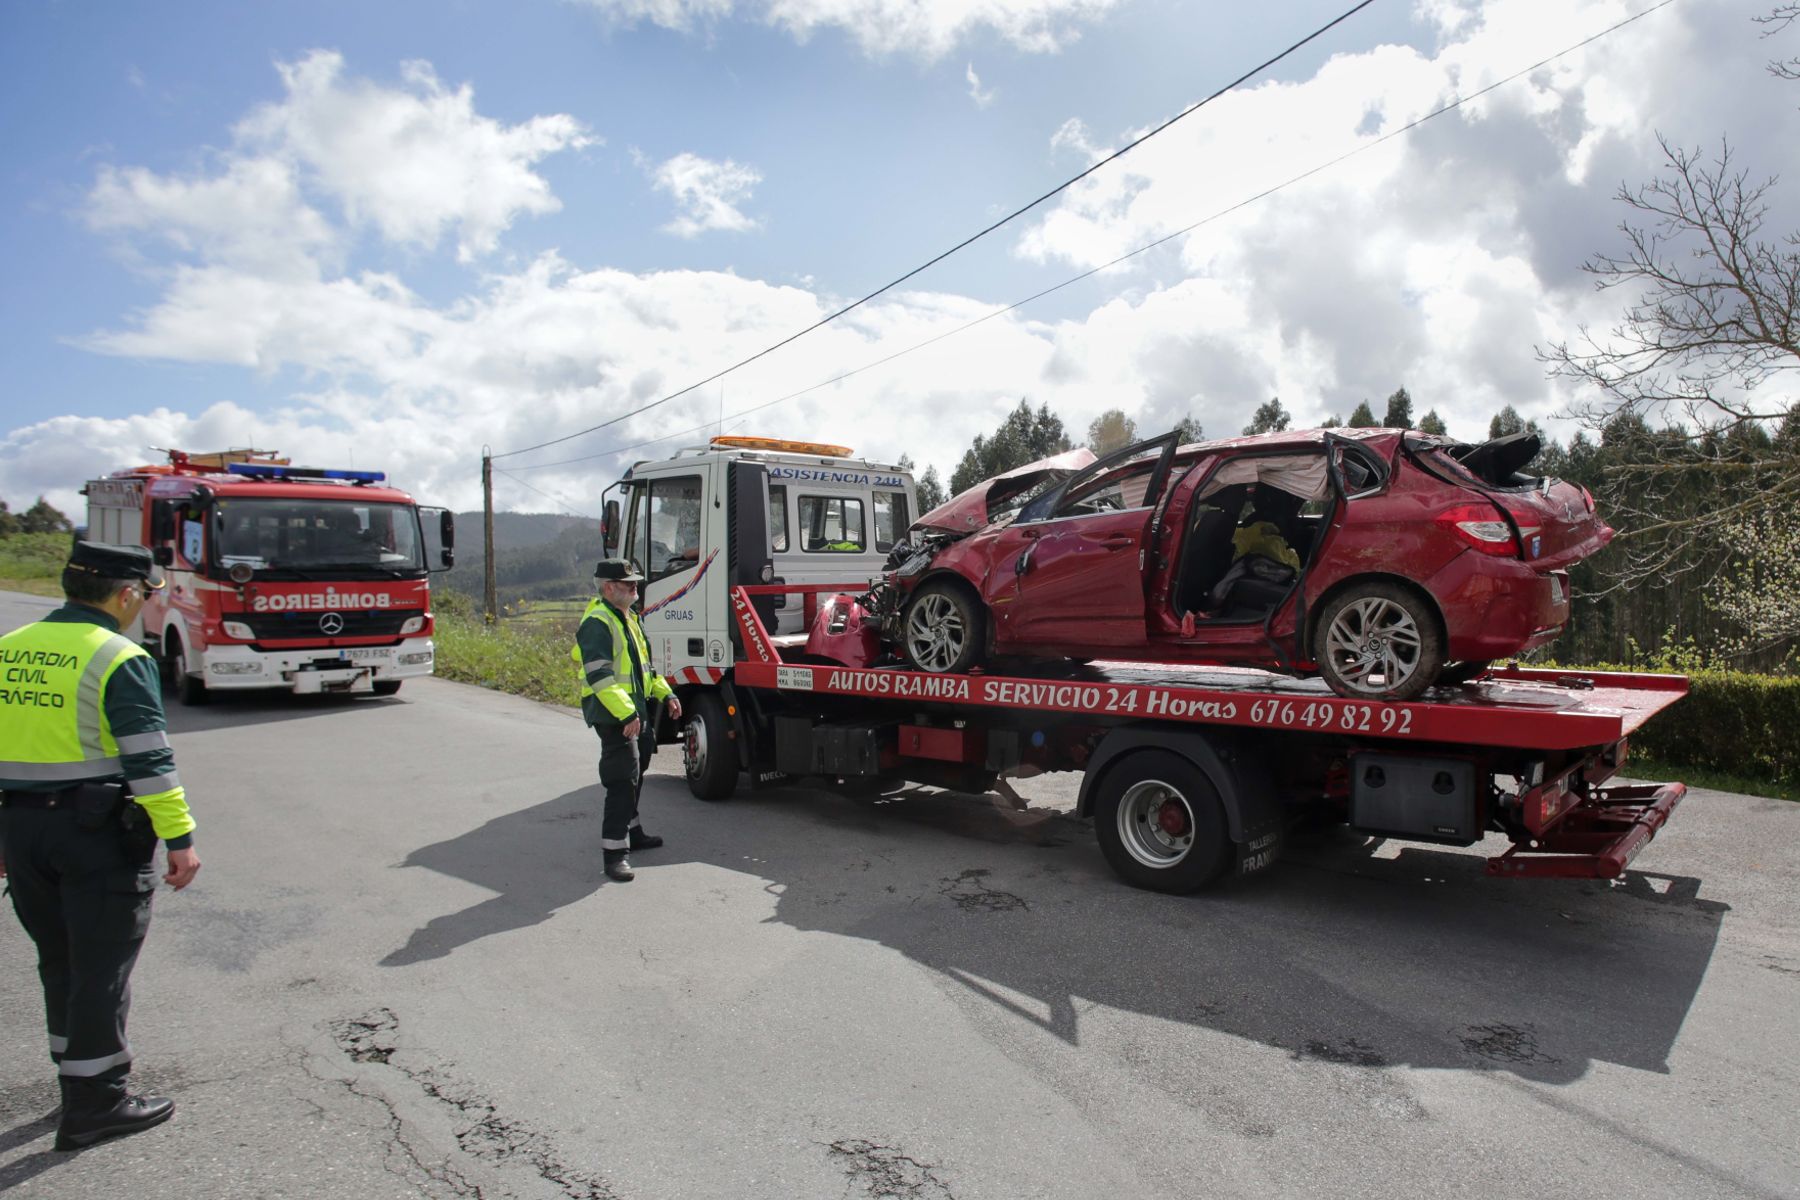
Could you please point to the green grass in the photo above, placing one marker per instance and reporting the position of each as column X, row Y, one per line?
column 33, row 562
column 525, row 658
column 1640, row 766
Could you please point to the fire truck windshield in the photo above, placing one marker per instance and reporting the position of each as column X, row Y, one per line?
column 336, row 537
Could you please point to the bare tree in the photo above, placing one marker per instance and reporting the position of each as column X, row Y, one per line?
column 1703, row 353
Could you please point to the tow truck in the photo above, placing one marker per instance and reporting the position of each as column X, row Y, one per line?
column 1191, row 774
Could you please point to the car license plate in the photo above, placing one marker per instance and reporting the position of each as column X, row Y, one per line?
column 371, row 654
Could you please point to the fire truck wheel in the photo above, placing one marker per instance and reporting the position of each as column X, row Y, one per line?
column 944, row 629
column 387, row 687
column 708, row 751
column 190, row 689
column 1160, row 823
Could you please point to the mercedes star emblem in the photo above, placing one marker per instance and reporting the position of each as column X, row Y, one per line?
column 331, row 624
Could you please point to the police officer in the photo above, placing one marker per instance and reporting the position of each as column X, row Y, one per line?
column 87, row 788
column 618, row 688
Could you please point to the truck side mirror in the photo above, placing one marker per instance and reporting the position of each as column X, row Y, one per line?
column 609, row 527
column 447, row 538
column 162, row 521
column 164, row 555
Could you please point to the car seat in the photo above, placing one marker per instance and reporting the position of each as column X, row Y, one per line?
column 1205, row 556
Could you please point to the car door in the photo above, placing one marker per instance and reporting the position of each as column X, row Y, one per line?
column 1076, row 556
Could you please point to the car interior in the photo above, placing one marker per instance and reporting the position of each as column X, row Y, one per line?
column 1232, row 566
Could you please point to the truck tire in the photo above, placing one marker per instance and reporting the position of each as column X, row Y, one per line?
column 944, row 630
column 708, row 751
column 1378, row 640
column 1160, row 823
column 387, row 687
column 189, row 689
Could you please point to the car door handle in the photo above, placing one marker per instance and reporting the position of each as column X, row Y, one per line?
column 1118, row 541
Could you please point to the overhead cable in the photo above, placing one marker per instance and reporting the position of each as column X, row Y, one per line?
column 1130, row 254
column 971, row 239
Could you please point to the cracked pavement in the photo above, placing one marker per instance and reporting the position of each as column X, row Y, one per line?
column 402, row 974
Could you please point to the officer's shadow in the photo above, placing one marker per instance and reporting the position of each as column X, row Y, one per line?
column 29, row 1166
column 533, row 871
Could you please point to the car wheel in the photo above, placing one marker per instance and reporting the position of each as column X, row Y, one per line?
column 1379, row 641
column 1160, row 824
column 1457, row 674
column 944, row 631
column 707, row 751
column 189, row 689
column 387, row 687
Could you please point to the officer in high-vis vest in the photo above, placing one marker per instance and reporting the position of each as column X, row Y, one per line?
column 619, row 689
column 87, row 789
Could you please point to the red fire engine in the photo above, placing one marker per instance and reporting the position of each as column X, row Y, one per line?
column 294, row 578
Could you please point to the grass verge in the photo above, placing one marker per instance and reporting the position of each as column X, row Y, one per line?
column 33, row 562
column 525, row 659
column 1641, row 766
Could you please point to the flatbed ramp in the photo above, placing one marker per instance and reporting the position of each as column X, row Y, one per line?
column 1187, row 769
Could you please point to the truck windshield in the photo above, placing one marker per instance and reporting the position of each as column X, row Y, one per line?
column 336, row 536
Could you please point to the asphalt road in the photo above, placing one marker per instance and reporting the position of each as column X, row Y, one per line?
column 402, row 973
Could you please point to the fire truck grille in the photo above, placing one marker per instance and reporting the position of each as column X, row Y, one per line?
column 383, row 622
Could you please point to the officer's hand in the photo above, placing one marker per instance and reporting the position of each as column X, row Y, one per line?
column 183, row 866
column 674, row 708
column 635, row 727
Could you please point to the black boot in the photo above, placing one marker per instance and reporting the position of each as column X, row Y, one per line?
column 618, row 869
column 93, row 1112
column 644, row 841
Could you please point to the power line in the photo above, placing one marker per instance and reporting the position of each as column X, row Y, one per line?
column 1144, row 249
column 544, row 494
column 971, row 239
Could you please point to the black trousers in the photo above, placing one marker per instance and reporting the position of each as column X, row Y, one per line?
column 622, row 767
column 83, row 894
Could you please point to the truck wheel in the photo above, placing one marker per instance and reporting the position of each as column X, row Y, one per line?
column 387, row 687
column 707, row 750
column 190, row 689
column 1379, row 641
column 1160, row 823
column 944, row 630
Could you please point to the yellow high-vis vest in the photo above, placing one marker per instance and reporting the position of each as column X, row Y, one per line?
column 53, row 726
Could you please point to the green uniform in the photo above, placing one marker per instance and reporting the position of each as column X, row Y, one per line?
column 618, row 684
column 88, row 785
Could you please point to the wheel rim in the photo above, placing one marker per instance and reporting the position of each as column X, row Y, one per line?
column 1156, row 824
column 1374, row 644
column 694, row 747
column 935, row 632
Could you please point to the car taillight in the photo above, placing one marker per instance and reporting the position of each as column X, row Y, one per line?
column 1482, row 528
column 1589, row 498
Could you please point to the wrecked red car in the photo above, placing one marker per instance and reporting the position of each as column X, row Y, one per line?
column 1386, row 560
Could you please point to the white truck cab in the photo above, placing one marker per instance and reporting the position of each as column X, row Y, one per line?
column 746, row 510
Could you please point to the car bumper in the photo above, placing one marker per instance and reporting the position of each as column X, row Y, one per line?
column 241, row 668
column 1496, row 607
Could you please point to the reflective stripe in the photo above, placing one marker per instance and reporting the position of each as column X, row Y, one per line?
column 93, row 768
column 615, row 844
column 138, row 743
column 86, row 1068
column 154, row 785
column 599, row 664
column 635, row 824
column 610, row 681
column 58, row 1045
column 88, row 712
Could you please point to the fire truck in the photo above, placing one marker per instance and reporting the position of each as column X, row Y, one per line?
column 301, row 579
column 1192, row 774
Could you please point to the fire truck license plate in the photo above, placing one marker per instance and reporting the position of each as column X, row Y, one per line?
column 372, row 654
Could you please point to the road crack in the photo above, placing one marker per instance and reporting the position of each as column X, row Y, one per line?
column 887, row 1172
column 482, row 1132
column 971, row 893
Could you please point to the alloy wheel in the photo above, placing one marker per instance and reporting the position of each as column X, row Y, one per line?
column 1375, row 644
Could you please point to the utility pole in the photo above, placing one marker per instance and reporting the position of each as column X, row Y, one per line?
column 487, row 534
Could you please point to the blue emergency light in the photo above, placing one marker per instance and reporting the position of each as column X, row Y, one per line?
column 269, row 471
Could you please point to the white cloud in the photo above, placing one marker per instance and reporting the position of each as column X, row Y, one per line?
column 927, row 28
column 708, row 194
column 982, row 99
column 415, row 162
column 1437, row 261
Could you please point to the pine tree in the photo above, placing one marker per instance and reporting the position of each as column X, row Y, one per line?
column 1399, row 410
column 1433, row 424
column 1363, row 417
column 1269, row 418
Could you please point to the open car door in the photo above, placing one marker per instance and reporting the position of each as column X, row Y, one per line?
column 1070, row 569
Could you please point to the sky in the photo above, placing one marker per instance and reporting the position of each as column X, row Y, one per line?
column 388, row 236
